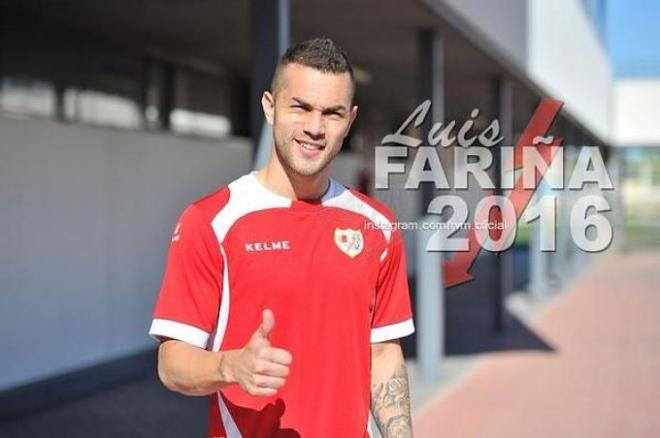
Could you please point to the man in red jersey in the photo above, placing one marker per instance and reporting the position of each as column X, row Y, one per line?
column 285, row 293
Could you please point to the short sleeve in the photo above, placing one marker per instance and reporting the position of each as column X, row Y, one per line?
column 393, row 313
column 189, row 299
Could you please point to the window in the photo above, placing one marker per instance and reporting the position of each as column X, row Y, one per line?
column 27, row 97
column 97, row 108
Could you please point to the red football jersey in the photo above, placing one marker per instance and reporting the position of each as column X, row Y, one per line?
column 334, row 274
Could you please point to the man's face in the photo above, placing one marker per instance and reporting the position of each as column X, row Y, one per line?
column 311, row 115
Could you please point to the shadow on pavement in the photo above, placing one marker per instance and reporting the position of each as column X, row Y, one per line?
column 470, row 315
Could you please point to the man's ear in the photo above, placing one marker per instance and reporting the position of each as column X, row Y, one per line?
column 268, row 105
column 353, row 115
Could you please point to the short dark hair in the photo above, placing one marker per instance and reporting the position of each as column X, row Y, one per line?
column 319, row 53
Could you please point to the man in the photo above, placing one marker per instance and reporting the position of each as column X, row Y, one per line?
column 285, row 293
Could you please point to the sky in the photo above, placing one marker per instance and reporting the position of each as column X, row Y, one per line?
column 632, row 37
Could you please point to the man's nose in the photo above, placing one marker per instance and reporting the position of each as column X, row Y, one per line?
column 315, row 125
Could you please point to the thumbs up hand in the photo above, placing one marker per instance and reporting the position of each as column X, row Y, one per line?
column 260, row 336
column 260, row 368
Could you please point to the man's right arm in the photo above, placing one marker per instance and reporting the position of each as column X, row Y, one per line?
column 190, row 370
column 258, row 368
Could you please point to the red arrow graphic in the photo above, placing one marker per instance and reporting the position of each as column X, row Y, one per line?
column 457, row 268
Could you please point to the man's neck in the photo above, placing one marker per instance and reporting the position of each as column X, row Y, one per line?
column 288, row 184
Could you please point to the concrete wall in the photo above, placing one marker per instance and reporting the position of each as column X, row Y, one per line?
column 502, row 21
column 558, row 46
column 636, row 110
column 86, row 215
column 567, row 58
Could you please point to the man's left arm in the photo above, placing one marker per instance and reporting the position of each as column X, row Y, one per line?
column 390, row 394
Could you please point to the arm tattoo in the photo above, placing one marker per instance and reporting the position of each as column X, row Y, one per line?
column 390, row 405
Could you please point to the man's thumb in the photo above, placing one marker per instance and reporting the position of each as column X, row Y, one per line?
column 267, row 322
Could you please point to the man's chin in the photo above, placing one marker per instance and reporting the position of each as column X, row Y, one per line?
column 308, row 173
column 309, row 170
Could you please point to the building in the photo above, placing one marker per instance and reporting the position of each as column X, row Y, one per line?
column 114, row 116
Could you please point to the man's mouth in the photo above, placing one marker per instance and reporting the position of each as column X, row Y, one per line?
column 308, row 146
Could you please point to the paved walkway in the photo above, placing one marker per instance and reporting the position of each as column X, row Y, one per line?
column 598, row 379
column 585, row 366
